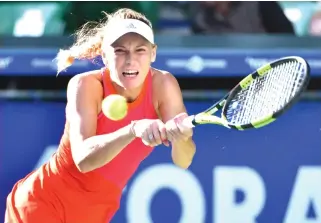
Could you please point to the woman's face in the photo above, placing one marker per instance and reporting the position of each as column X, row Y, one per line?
column 129, row 59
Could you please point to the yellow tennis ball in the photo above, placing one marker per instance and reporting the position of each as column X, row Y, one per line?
column 114, row 107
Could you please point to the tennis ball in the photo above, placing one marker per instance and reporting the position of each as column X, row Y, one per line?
column 114, row 107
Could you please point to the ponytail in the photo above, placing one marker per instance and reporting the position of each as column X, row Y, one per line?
column 87, row 46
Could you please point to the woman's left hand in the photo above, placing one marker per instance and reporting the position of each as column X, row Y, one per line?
column 176, row 130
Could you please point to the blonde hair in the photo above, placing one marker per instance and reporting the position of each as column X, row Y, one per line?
column 89, row 38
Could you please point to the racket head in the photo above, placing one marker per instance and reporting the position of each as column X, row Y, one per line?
column 261, row 97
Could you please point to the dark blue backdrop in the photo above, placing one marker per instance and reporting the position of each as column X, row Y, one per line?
column 182, row 62
column 272, row 174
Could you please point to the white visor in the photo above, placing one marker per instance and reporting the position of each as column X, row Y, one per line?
column 116, row 28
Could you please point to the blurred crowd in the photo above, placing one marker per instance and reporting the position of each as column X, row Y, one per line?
column 183, row 17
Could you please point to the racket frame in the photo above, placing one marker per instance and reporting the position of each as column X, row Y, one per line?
column 207, row 117
column 260, row 72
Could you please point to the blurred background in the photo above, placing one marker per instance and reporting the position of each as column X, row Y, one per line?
column 269, row 175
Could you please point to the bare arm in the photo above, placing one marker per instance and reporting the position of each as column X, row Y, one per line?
column 170, row 105
column 88, row 150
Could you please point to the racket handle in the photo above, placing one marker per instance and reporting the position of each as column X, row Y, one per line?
column 189, row 121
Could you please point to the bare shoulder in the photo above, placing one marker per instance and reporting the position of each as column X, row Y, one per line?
column 163, row 79
column 165, row 87
column 89, row 81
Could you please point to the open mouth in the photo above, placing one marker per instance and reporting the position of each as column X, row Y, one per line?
column 130, row 73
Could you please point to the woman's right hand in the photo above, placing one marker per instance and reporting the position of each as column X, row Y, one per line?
column 151, row 131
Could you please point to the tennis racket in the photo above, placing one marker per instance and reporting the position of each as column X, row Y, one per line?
column 260, row 98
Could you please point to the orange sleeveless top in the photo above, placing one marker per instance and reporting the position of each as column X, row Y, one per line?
column 100, row 190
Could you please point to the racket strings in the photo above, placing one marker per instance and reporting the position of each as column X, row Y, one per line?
column 266, row 94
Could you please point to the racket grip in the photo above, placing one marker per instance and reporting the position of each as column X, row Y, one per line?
column 189, row 121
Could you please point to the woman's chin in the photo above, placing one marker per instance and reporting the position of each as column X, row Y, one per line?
column 130, row 83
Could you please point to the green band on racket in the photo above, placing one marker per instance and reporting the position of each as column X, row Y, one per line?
column 215, row 108
column 262, row 70
column 246, row 81
column 239, row 127
column 263, row 122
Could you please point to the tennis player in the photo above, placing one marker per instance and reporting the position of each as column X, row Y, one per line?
column 83, row 180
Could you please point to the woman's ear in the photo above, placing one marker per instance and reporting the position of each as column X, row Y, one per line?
column 154, row 51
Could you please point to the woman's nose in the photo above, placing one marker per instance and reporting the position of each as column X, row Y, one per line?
column 129, row 58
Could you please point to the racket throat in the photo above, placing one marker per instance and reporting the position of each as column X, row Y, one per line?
column 204, row 118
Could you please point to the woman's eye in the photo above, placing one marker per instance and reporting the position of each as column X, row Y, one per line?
column 141, row 50
column 119, row 51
